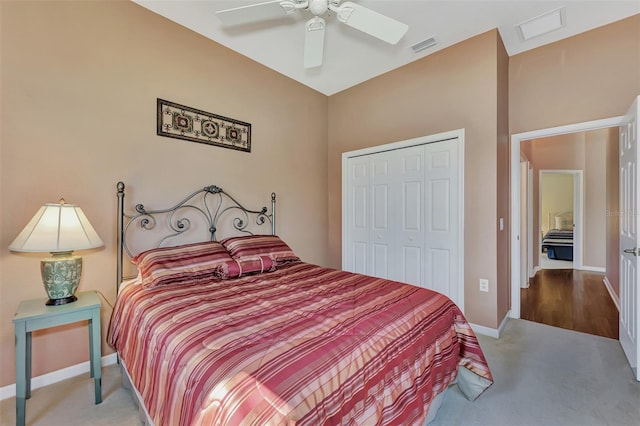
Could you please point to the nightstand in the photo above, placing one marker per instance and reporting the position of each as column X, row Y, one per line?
column 35, row 315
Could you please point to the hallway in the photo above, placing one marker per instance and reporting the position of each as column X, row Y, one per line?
column 570, row 299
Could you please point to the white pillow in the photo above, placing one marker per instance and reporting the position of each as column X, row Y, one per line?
column 564, row 222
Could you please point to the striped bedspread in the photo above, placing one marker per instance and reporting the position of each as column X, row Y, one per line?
column 303, row 345
column 556, row 237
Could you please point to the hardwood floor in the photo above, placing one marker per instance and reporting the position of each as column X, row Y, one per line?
column 571, row 299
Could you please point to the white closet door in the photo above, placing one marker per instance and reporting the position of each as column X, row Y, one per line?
column 386, row 214
column 409, row 216
column 402, row 217
column 442, row 185
column 358, row 222
column 383, row 230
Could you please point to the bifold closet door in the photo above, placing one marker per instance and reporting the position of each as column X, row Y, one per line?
column 442, row 225
column 396, row 233
column 401, row 215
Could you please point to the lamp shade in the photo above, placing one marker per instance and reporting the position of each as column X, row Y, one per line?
column 57, row 228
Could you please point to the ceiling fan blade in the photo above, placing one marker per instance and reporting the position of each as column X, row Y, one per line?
column 314, row 42
column 370, row 22
column 257, row 12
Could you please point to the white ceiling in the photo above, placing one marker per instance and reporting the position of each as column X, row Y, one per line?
column 351, row 57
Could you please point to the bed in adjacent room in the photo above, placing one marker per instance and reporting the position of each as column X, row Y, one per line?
column 558, row 242
column 239, row 330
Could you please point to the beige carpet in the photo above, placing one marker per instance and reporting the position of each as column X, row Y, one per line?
column 543, row 376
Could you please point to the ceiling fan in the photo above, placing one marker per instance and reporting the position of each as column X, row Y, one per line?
column 351, row 14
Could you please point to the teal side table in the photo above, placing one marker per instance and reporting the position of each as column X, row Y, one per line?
column 35, row 315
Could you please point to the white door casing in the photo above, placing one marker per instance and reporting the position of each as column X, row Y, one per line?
column 630, row 238
column 524, row 236
column 529, row 217
column 409, row 195
column 516, row 140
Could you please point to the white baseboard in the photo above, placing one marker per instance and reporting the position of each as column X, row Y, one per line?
column 9, row 391
column 491, row 332
column 534, row 271
column 614, row 297
column 593, row 269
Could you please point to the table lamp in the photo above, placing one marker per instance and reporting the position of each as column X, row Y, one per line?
column 58, row 229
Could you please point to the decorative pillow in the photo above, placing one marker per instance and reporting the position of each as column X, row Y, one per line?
column 564, row 222
column 238, row 268
column 180, row 264
column 251, row 247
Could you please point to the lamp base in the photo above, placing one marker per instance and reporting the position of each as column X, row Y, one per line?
column 61, row 276
column 63, row 301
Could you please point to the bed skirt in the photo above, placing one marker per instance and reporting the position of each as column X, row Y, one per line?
column 143, row 414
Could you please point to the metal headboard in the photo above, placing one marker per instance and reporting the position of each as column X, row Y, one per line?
column 201, row 212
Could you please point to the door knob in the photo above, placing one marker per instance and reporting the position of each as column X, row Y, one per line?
column 634, row 251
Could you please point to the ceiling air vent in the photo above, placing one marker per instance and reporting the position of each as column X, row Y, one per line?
column 542, row 24
column 424, row 44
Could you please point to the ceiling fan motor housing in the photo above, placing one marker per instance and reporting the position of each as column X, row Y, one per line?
column 318, row 7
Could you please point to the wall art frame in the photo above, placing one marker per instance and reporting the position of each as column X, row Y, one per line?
column 191, row 124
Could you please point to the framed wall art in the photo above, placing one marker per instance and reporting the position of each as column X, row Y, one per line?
column 190, row 124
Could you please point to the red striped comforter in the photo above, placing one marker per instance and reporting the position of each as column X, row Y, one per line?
column 302, row 345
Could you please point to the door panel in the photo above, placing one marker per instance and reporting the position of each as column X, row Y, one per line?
column 440, row 205
column 629, row 239
column 410, row 215
column 441, row 272
column 442, row 183
column 382, row 233
column 412, row 265
column 358, row 224
column 411, row 200
column 360, row 257
column 380, row 265
column 381, row 207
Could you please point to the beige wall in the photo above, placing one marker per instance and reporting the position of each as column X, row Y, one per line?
column 503, row 288
column 452, row 89
column 587, row 77
column 595, row 198
column 79, row 88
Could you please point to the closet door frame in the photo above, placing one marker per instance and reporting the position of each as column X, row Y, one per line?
column 457, row 135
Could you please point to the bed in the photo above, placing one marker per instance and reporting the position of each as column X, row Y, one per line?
column 558, row 241
column 558, row 244
column 238, row 330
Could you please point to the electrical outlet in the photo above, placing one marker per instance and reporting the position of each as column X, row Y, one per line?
column 484, row 285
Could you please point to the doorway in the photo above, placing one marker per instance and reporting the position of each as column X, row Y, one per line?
column 516, row 141
column 560, row 202
column 573, row 176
